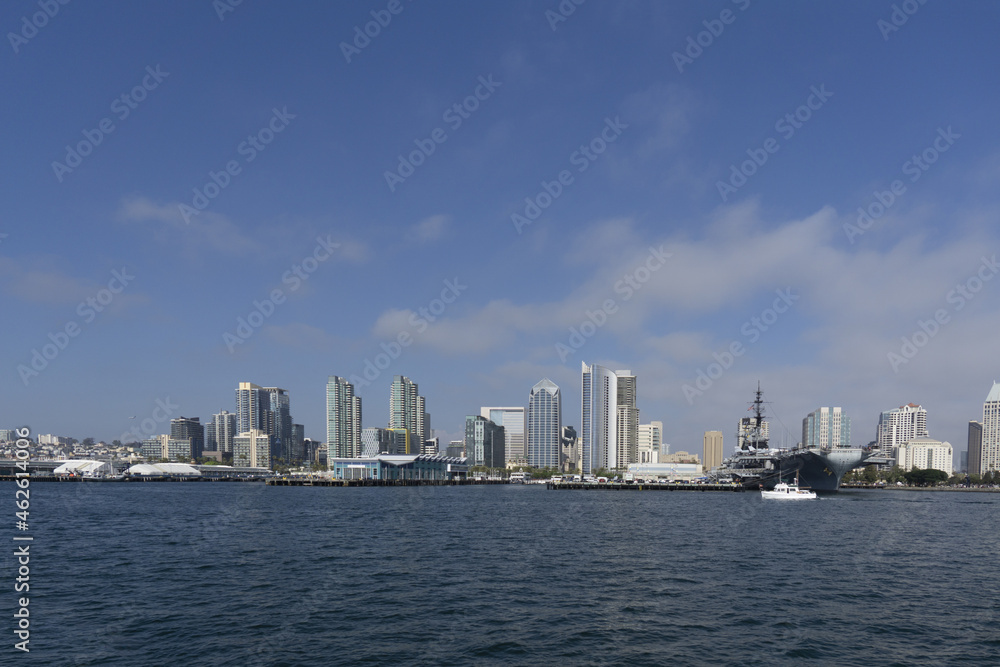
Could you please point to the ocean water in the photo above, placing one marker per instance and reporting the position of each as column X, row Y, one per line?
column 237, row 574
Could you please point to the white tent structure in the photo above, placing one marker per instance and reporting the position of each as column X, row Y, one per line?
column 84, row 468
column 163, row 470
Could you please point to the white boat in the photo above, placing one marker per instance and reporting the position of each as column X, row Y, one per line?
column 784, row 491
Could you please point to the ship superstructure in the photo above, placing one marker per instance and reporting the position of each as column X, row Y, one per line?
column 756, row 465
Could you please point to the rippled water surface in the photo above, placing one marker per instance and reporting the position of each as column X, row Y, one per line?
column 234, row 574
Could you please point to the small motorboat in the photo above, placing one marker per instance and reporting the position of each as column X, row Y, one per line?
column 784, row 491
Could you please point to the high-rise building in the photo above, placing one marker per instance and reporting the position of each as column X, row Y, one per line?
column 403, row 441
column 298, row 442
column 408, row 409
column 513, row 422
column 826, row 428
column 627, row 437
column 266, row 409
column 544, row 425
column 975, row 448
column 219, row 432
column 650, row 441
column 898, row 426
column 484, row 442
column 251, row 407
column 569, row 457
column 279, row 419
column 343, row 419
column 599, row 419
column 712, row 449
column 456, row 449
column 375, row 441
column 990, row 456
column 189, row 428
column 166, row 447
column 252, row 449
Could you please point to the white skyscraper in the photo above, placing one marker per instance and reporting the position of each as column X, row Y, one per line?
column 990, row 448
column 900, row 425
column 599, row 423
column 512, row 420
column 544, row 425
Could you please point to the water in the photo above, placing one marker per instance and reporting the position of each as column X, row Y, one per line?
column 235, row 574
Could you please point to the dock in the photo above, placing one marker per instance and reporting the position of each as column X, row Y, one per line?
column 619, row 486
column 382, row 482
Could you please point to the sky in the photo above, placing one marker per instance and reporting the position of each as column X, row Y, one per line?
column 710, row 195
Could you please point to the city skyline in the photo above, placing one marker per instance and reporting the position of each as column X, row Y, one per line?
column 151, row 259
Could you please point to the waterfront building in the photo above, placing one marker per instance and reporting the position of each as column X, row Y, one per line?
column 544, row 425
column 166, row 447
column 650, row 441
column 219, row 432
column 400, row 467
column 975, row 451
column 627, row 418
column 484, row 442
column 252, row 449
column 375, row 441
column 712, row 449
column 925, row 453
column 513, row 422
column 599, row 419
column 343, row 419
column 826, row 427
column 189, row 428
column 990, row 448
column 569, row 457
column 681, row 457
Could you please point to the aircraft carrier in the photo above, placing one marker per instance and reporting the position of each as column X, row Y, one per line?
column 755, row 465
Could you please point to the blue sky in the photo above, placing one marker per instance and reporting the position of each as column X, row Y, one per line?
column 197, row 87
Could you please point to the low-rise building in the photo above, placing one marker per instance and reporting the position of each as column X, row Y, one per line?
column 925, row 453
column 400, row 467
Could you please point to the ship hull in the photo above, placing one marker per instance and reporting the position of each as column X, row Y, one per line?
column 816, row 469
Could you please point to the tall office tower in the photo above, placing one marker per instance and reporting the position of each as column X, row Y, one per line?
column 423, row 431
column 826, row 427
column 456, row 449
column 544, row 425
column 219, row 432
column 484, row 442
column 343, row 419
column 990, row 456
column 403, row 441
column 406, row 407
column 375, row 441
column 628, row 420
column 599, row 419
column 189, row 428
column 279, row 419
column 252, row 449
column 898, row 426
column 712, row 449
column 513, row 422
column 975, row 448
column 650, row 441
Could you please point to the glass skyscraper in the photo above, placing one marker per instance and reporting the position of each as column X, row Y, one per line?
column 544, row 424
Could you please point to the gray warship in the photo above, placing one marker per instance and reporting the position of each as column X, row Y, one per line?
column 756, row 465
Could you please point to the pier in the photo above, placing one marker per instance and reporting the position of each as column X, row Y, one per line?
column 382, row 482
column 619, row 486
